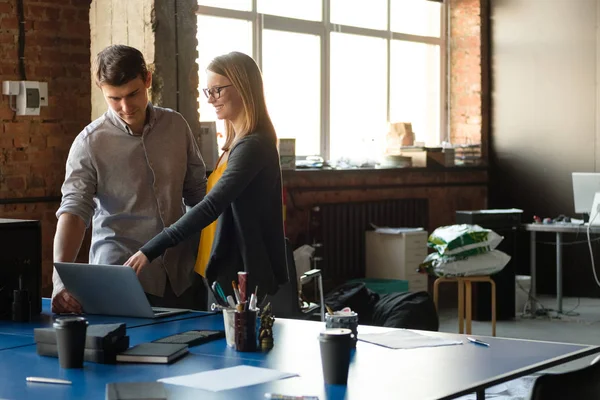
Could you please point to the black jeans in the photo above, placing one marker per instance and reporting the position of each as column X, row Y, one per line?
column 193, row 298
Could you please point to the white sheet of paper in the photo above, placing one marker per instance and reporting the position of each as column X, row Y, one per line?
column 404, row 339
column 227, row 378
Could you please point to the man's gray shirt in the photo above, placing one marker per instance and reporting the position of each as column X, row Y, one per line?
column 131, row 187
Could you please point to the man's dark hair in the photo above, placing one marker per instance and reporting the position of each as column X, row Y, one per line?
column 118, row 64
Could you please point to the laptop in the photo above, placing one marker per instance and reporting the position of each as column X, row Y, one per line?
column 109, row 290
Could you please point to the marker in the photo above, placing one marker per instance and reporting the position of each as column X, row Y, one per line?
column 274, row 396
column 48, row 380
column 477, row 341
column 221, row 298
column 212, row 289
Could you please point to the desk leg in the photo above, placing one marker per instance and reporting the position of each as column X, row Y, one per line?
column 532, row 265
column 461, row 305
column 559, row 272
column 480, row 394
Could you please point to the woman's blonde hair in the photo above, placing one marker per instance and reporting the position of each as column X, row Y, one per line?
column 246, row 77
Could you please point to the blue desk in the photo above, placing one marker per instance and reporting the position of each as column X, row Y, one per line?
column 375, row 372
column 46, row 318
column 8, row 341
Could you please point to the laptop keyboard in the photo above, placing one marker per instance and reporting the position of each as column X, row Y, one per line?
column 192, row 338
column 158, row 311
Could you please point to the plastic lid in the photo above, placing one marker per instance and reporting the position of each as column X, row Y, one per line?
column 335, row 334
column 62, row 322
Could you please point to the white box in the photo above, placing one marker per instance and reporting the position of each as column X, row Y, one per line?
column 287, row 153
column 396, row 254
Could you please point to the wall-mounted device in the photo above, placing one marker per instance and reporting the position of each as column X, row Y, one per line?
column 30, row 96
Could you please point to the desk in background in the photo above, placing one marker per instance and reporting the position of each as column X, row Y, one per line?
column 558, row 229
column 375, row 372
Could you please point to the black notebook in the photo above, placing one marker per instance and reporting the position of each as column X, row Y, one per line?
column 135, row 391
column 100, row 356
column 98, row 336
column 160, row 353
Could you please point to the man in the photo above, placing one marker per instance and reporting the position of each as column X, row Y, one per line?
column 127, row 172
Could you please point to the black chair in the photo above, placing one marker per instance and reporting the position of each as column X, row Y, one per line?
column 286, row 302
column 583, row 383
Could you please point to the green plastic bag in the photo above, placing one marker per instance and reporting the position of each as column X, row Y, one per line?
column 454, row 266
column 464, row 240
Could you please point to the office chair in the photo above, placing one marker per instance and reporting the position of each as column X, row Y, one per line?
column 583, row 383
column 286, row 302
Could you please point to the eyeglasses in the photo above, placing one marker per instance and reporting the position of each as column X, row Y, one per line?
column 215, row 91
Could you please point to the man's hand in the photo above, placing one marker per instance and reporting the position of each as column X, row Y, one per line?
column 137, row 261
column 63, row 302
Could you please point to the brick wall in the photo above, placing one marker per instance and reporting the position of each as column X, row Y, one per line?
column 465, row 71
column 34, row 148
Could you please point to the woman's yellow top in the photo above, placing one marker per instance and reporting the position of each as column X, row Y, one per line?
column 208, row 234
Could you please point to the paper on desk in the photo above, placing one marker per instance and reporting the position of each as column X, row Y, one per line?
column 501, row 211
column 227, row 378
column 404, row 339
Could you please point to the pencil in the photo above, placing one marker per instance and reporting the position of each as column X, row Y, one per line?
column 236, row 292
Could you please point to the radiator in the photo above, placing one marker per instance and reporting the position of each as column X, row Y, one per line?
column 340, row 229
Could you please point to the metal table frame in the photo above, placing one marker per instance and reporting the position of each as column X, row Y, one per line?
column 558, row 229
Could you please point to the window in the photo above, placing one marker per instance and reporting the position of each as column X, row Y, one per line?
column 358, row 96
column 336, row 72
column 239, row 38
column 311, row 10
column 415, row 88
column 292, row 78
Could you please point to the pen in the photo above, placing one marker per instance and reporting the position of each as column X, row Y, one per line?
column 274, row 396
column 47, row 380
column 477, row 341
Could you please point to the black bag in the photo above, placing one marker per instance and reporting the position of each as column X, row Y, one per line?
column 409, row 310
column 355, row 295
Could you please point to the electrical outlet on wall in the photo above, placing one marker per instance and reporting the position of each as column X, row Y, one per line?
column 30, row 96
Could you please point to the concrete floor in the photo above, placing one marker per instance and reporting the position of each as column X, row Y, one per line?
column 580, row 323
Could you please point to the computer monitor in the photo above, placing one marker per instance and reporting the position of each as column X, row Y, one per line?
column 585, row 186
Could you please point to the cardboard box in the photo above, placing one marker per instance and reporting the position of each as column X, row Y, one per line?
column 396, row 254
column 287, row 153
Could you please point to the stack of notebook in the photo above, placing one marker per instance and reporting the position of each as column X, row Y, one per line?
column 102, row 343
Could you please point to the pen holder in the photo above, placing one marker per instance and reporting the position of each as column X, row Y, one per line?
column 344, row 320
column 229, row 322
column 245, row 330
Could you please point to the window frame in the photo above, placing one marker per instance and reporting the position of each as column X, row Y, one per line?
column 323, row 29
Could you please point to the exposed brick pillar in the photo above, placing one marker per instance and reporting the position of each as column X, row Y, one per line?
column 165, row 32
column 466, row 71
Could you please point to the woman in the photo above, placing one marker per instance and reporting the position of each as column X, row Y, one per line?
column 247, row 197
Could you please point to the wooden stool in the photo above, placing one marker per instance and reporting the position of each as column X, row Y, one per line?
column 464, row 284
